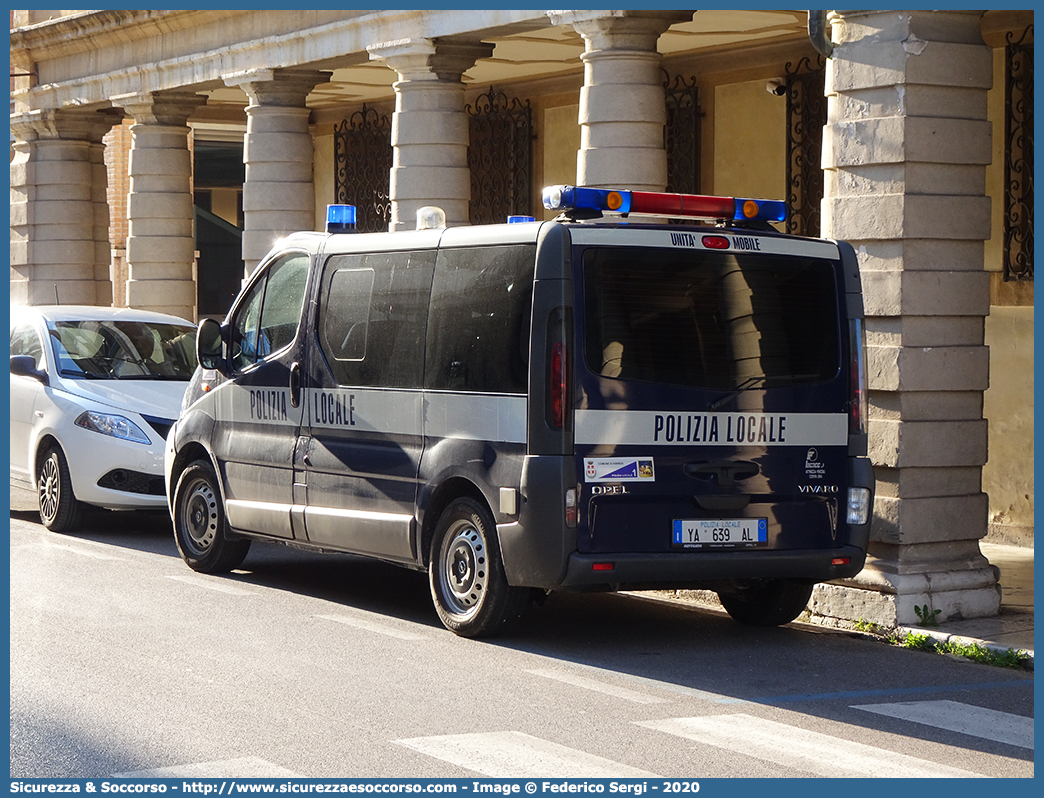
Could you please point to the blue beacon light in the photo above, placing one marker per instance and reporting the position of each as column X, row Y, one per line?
column 340, row 218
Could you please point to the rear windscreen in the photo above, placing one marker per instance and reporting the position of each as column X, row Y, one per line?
column 709, row 319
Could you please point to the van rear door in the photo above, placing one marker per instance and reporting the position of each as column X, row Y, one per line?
column 713, row 393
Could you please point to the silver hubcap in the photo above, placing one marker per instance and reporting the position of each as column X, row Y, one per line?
column 50, row 488
column 199, row 517
column 464, row 572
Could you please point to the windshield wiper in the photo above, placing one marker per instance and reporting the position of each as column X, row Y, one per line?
column 746, row 385
column 86, row 375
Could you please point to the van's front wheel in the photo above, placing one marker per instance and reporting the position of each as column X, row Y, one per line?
column 199, row 523
column 466, row 574
column 769, row 603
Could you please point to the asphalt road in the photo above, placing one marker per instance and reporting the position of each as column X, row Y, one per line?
column 125, row 662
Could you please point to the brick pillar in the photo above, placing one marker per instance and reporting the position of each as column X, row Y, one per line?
column 160, row 242
column 59, row 214
column 905, row 150
column 279, row 192
column 429, row 127
column 622, row 106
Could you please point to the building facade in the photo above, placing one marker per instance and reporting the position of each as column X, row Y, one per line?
column 157, row 155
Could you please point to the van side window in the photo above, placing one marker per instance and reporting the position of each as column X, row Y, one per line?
column 373, row 310
column 347, row 313
column 268, row 317
column 481, row 303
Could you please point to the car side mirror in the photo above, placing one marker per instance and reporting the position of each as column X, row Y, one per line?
column 210, row 347
column 25, row 366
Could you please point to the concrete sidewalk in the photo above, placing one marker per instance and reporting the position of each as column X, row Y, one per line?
column 1013, row 628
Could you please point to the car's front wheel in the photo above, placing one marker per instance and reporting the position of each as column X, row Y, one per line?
column 60, row 510
column 200, row 531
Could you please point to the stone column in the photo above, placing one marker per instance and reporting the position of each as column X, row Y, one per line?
column 905, row 150
column 104, row 284
column 160, row 242
column 622, row 105
column 429, row 127
column 279, row 192
column 59, row 213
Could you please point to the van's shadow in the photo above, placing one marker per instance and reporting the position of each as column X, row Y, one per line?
column 664, row 645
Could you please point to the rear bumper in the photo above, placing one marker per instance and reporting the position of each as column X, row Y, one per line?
column 704, row 569
column 540, row 551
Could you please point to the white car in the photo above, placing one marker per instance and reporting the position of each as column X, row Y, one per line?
column 94, row 391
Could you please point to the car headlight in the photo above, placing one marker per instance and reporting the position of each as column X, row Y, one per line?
column 116, row 426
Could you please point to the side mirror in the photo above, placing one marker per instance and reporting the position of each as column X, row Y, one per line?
column 25, row 366
column 210, row 347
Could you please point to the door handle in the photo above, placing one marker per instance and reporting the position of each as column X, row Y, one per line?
column 295, row 384
column 727, row 472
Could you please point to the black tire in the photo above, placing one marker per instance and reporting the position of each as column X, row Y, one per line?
column 466, row 574
column 60, row 510
column 200, row 530
column 769, row 603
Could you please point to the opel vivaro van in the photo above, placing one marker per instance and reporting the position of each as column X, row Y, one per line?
column 578, row 404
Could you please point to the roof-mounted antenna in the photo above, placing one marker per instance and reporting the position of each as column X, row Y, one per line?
column 56, row 294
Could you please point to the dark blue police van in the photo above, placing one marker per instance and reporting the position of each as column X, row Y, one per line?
column 578, row 404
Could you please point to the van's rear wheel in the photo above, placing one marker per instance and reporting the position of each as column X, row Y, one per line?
column 768, row 603
column 199, row 523
column 466, row 574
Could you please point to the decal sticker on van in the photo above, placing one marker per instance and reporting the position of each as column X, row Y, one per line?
column 619, row 469
column 814, row 467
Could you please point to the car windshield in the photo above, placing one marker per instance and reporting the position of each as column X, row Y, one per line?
column 124, row 350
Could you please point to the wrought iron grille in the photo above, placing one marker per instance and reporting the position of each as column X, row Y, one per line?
column 362, row 168
column 500, row 157
column 681, row 134
column 806, row 116
column 1018, row 157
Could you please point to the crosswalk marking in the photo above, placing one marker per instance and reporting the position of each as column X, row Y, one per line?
column 84, row 552
column 598, row 685
column 211, row 583
column 671, row 687
column 248, row 767
column 801, row 749
column 374, row 623
column 989, row 724
column 515, row 755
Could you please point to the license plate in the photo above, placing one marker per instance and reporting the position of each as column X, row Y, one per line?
column 720, row 533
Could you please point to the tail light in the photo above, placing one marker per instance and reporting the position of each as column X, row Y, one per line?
column 557, row 384
column 570, row 507
column 858, row 399
column 858, row 511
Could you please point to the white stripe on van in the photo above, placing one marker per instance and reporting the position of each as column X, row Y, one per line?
column 472, row 416
column 482, row 417
column 361, row 515
column 668, row 428
column 389, row 412
column 765, row 245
